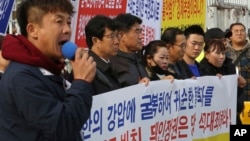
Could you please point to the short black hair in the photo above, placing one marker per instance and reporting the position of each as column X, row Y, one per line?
column 169, row 35
column 194, row 29
column 237, row 23
column 34, row 10
column 214, row 44
column 125, row 21
column 96, row 28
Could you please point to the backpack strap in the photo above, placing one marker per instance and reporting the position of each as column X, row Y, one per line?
column 240, row 56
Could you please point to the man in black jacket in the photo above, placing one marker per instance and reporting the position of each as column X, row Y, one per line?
column 188, row 67
column 127, row 63
column 103, row 43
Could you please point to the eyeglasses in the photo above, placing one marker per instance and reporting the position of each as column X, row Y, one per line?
column 138, row 30
column 183, row 45
column 113, row 36
column 239, row 31
column 199, row 44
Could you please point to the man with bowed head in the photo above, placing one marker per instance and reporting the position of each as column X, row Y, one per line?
column 34, row 104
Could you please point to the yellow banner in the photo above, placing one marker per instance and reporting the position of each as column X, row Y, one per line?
column 182, row 13
column 245, row 115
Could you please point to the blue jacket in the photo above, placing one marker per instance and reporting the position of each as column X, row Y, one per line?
column 36, row 107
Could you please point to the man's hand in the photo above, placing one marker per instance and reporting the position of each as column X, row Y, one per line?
column 144, row 80
column 84, row 67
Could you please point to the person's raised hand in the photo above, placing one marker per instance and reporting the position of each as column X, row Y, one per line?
column 169, row 77
column 84, row 66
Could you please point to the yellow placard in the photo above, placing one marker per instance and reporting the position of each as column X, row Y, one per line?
column 245, row 115
column 183, row 13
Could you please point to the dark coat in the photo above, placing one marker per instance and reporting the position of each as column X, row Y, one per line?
column 182, row 69
column 227, row 68
column 208, row 69
column 105, row 80
column 36, row 107
column 128, row 68
column 153, row 75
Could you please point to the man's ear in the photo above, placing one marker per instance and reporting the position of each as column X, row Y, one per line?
column 32, row 30
column 120, row 35
column 94, row 40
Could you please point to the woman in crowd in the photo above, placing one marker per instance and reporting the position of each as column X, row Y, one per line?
column 155, row 60
column 215, row 63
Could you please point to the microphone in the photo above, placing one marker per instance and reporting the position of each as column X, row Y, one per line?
column 68, row 51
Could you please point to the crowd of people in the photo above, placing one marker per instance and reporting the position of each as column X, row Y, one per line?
column 36, row 102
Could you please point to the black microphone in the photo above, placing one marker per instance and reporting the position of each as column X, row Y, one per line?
column 68, row 51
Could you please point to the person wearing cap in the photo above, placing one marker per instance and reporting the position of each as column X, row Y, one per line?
column 217, row 33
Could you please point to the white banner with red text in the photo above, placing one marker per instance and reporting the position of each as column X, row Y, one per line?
column 197, row 110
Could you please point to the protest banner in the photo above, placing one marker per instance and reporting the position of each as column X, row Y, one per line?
column 201, row 109
column 5, row 11
column 86, row 9
column 155, row 14
column 150, row 12
column 184, row 13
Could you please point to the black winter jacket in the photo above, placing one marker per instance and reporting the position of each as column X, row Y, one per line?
column 128, row 68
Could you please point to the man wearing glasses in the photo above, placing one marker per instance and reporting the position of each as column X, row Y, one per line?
column 188, row 67
column 176, row 43
column 239, row 48
column 102, row 40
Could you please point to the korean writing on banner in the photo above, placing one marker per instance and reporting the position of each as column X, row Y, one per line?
column 163, row 111
column 5, row 12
